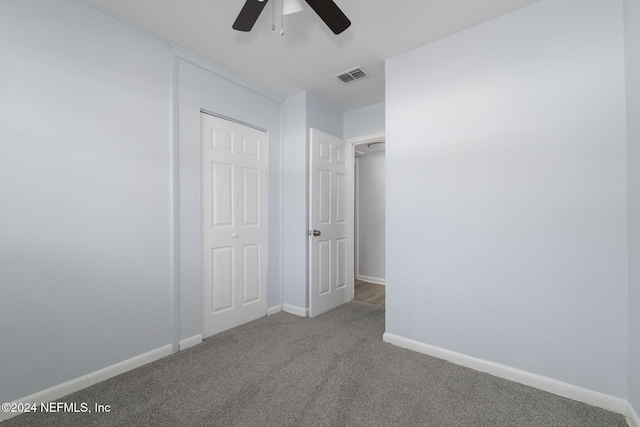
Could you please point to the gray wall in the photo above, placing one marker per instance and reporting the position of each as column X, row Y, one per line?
column 506, row 193
column 371, row 216
column 364, row 121
column 294, row 198
column 86, row 183
column 323, row 117
column 632, row 45
column 84, row 189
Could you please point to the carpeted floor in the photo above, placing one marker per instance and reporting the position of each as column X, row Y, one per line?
column 333, row 370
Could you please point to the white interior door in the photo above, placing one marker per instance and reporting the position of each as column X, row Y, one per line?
column 234, row 224
column 330, row 223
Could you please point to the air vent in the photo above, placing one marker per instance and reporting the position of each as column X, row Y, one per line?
column 352, row 75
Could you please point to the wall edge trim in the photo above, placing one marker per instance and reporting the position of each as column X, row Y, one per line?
column 376, row 280
column 84, row 381
column 273, row 310
column 298, row 311
column 190, row 342
column 632, row 416
column 540, row 382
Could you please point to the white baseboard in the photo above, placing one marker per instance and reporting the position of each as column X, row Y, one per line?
column 66, row 388
column 273, row 310
column 550, row 385
column 375, row 280
column 632, row 416
column 298, row 311
column 190, row 342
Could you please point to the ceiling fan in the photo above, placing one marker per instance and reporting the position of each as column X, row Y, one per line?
column 327, row 10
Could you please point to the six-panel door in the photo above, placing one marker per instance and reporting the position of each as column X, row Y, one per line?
column 234, row 224
column 331, row 216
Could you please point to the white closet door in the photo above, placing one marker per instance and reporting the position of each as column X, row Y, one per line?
column 234, row 224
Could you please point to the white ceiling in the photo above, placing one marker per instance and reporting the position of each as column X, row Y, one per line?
column 308, row 55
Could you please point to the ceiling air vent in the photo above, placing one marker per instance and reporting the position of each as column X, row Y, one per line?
column 352, row 75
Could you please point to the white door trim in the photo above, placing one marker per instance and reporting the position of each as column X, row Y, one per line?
column 240, row 122
column 367, row 138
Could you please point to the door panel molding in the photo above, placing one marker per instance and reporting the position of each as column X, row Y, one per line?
column 331, row 215
column 234, row 223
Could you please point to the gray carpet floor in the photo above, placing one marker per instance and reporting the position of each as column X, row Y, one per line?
column 333, row 370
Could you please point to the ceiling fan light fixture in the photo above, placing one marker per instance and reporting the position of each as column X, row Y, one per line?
column 327, row 10
column 291, row 6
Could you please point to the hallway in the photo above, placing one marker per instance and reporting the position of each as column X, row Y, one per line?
column 369, row 293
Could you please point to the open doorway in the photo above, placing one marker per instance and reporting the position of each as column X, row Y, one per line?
column 370, row 274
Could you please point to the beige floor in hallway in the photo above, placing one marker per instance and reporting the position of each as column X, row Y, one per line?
column 369, row 293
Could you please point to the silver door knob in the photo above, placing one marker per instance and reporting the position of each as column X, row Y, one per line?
column 316, row 233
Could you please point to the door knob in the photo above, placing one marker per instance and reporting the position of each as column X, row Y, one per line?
column 316, row 233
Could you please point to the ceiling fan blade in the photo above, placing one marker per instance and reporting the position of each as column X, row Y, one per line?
column 331, row 14
column 249, row 14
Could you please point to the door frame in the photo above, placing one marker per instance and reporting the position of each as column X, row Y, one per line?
column 361, row 140
column 352, row 235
